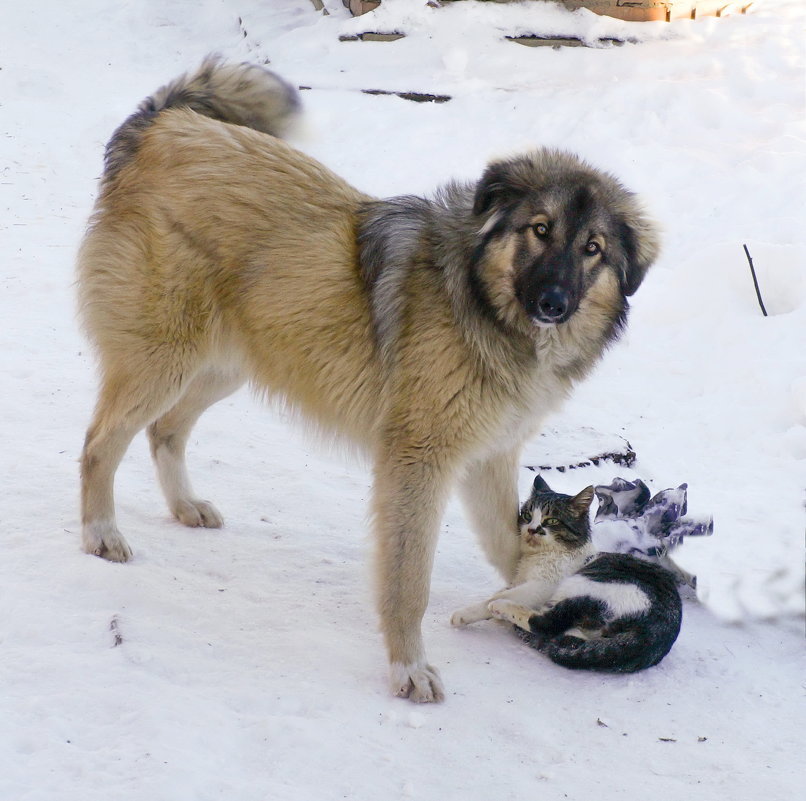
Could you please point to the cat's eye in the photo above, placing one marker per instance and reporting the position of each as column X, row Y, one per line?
column 526, row 517
column 551, row 522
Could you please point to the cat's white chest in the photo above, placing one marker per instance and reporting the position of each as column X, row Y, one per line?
column 551, row 566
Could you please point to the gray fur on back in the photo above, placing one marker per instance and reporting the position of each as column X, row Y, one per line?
column 241, row 94
column 391, row 234
column 401, row 234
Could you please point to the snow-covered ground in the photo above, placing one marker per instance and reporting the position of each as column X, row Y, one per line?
column 245, row 663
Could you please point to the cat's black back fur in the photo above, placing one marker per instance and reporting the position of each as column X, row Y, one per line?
column 625, row 644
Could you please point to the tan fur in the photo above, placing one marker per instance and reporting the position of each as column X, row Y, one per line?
column 218, row 255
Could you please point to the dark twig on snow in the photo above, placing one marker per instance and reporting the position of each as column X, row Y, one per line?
column 417, row 97
column 755, row 280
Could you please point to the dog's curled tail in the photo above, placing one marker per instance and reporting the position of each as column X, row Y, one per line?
column 242, row 94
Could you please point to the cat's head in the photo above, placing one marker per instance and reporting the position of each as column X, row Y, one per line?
column 551, row 519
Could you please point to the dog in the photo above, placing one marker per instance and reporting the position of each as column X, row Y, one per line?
column 435, row 333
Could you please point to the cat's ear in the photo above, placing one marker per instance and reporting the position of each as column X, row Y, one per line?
column 581, row 503
column 540, row 485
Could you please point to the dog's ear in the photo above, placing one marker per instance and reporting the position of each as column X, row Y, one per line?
column 490, row 188
column 497, row 187
column 640, row 241
column 540, row 485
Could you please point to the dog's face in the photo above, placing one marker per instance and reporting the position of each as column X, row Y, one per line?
column 550, row 226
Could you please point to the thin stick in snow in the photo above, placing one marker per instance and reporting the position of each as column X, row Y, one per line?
column 755, row 280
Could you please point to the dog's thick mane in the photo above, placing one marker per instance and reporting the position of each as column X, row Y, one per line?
column 390, row 235
column 398, row 235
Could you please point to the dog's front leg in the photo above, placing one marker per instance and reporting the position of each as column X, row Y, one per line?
column 489, row 490
column 409, row 498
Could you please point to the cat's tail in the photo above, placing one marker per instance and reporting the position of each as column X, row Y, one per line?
column 625, row 652
column 241, row 94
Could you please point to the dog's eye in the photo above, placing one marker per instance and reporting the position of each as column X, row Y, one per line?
column 541, row 230
column 592, row 248
column 526, row 517
column 551, row 522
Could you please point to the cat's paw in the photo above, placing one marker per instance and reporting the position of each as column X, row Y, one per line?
column 501, row 609
column 419, row 682
column 459, row 619
column 470, row 614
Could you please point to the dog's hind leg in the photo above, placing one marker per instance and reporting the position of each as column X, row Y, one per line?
column 128, row 401
column 168, row 437
column 489, row 491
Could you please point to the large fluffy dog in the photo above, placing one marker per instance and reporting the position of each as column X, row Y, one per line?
column 435, row 333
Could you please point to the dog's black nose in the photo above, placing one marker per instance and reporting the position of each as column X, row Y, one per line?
column 553, row 304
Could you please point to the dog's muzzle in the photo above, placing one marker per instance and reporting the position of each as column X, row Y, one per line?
column 554, row 305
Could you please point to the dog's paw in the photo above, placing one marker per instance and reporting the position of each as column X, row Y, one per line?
column 419, row 682
column 104, row 540
column 198, row 514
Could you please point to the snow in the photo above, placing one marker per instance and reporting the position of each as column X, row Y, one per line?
column 249, row 664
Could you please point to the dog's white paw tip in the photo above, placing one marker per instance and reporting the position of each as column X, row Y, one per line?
column 115, row 554
column 108, row 545
column 458, row 620
column 419, row 683
column 198, row 514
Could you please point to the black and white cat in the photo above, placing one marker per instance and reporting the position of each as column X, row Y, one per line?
column 596, row 611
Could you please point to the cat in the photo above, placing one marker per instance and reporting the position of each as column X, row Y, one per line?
column 586, row 610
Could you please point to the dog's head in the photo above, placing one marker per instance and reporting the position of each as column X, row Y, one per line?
column 549, row 225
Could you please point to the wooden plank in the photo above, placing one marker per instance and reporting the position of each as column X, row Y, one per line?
column 650, row 10
column 560, row 41
column 381, row 37
column 547, row 41
column 372, row 36
column 359, row 7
